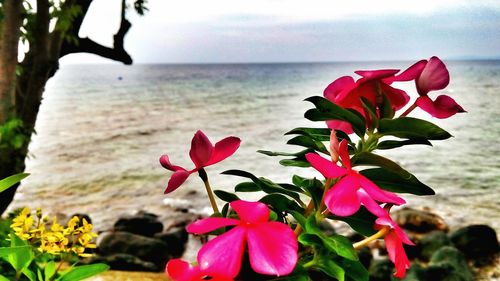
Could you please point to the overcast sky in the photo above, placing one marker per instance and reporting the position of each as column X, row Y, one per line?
column 202, row 31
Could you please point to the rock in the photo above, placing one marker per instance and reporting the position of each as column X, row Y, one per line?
column 432, row 242
column 416, row 273
column 476, row 241
column 142, row 223
column 419, row 221
column 365, row 256
column 176, row 240
column 125, row 262
column 448, row 264
column 381, row 270
column 145, row 248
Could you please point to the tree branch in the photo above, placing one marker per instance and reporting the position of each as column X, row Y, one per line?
column 86, row 45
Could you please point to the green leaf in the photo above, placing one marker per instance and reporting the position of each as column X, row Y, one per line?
column 226, row 196
column 81, row 272
column 362, row 221
column 370, row 159
column 326, row 110
column 412, row 128
column 18, row 256
column 273, row 153
column 311, row 240
column 341, row 245
column 30, row 274
column 386, row 110
column 3, row 278
column 321, row 134
column 334, row 243
column 240, row 173
column 295, row 162
column 394, row 182
column 49, row 270
column 247, row 187
column 301, row 220
column 281, row 203
column 389, row 144
column 314, row 188
column 354, row 270
column 308, row 142
column 372, row 111
column 291, row 187
column 330, row 268
column 10, row 181
column 270, row 187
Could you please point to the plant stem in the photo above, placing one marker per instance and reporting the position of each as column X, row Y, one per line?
column 410, row 109
column 203, row 175
column 375, row 236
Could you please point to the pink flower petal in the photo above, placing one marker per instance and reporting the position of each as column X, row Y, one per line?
column 342, row 199
column 370, row 204
column 165, row 162
column 434, row 76
column 209, row 224
column 402, row 235
column 176, row 180
column 342, row 84
column 398, row 98
column 222, row 255
column 272, row 248
column 397, row 254
column 344, row 154
column 378, row 194
column 251, row 212
column 376, row 74
column 180, row 270
column 223, row 149
column 324, row 166
column 443, row 107
column 411, row 73
column 201, row 149
column 339, row 125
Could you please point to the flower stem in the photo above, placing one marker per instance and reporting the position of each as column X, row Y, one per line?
column 203, row 175
column 375, row 236
column 410, row 109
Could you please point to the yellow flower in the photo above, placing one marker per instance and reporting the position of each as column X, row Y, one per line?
column 22, row 224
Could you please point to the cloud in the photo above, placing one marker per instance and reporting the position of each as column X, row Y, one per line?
column 293, row 30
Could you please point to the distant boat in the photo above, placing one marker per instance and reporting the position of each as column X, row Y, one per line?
column 120, row 78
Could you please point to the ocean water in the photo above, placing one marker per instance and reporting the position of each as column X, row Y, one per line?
column 102, row 128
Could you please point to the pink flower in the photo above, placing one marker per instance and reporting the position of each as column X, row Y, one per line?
column 203, row 154
column 394, row 243
column 179, row 270
column 347, row 94
column 353, row 189
column 429, row 76
column 272, row 246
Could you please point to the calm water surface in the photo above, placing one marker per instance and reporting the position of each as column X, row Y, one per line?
column 101, row 130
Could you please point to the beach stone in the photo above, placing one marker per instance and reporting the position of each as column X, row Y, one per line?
column 381, row 270
column 432, row 242
column 125, row 262
column 143, row 223
column 421, row 221
column 476, row 241
column 448, row 264
column 416, row 273
column 365, row 256
column 176, row 240
column 145, row 248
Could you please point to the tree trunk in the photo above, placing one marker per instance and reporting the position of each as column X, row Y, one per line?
column 24, row 96
column 9, row 39
column 10, row 31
